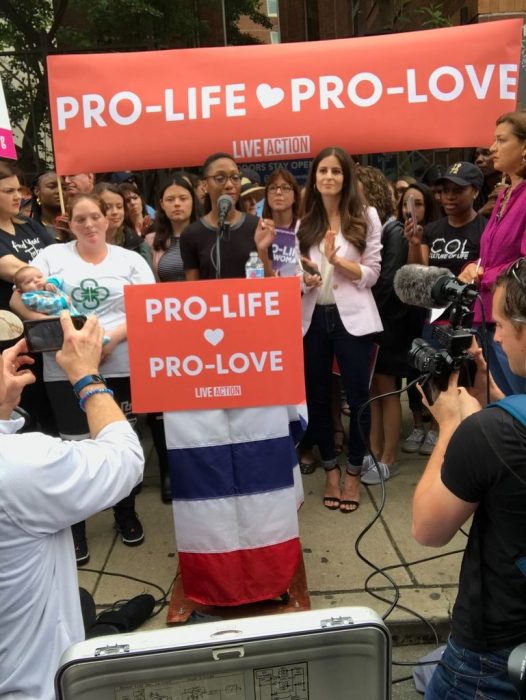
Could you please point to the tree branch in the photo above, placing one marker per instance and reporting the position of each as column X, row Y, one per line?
column 59, row 16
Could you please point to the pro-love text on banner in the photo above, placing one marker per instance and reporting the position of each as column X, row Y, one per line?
column 7, row 144
column 215, row 344
column 431, row 89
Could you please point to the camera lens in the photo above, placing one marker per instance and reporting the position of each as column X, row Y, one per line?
column 425, row 359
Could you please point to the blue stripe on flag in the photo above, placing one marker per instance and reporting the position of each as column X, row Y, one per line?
column 297, row 429
column 232, row 470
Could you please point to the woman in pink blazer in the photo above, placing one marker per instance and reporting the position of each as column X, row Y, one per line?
column 339, row 241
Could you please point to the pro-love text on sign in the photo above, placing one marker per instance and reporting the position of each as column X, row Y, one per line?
column 215, row 344
column 430, row 89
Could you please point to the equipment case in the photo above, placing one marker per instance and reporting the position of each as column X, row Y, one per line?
column 334, row 654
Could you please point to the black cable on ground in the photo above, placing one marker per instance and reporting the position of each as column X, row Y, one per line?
column 162, row 602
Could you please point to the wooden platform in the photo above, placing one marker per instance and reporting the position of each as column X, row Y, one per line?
column 181, row 608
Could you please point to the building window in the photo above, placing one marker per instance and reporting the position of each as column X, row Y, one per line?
column 274, row 37
column 272, row 10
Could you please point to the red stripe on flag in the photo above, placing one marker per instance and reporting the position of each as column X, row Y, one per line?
column 240, row 577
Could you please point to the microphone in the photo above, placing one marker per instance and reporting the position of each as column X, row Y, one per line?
column 431, row 287
column 224, row 205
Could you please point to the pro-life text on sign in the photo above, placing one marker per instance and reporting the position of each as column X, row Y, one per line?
column 217, row 344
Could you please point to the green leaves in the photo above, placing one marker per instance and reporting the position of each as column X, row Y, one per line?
column 31, row 29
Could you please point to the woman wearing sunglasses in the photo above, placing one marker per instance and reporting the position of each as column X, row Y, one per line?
column 504, row 238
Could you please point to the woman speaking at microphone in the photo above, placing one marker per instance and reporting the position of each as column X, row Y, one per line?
column 209, row 254
column 339, row 239
column 235, row 478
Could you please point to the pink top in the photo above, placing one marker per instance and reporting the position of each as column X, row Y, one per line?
column 354, row 299
column 502, row 242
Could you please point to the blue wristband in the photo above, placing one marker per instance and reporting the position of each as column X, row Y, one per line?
column 92, row 392
column 86, row 381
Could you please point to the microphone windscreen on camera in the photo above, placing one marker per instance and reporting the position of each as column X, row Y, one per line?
column 413, row 284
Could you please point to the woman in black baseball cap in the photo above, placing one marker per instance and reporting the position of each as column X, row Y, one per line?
column 454, row 240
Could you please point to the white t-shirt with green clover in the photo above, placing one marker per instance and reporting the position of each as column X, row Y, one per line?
column 95, row 289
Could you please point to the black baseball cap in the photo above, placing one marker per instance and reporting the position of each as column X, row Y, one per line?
column 464, row 174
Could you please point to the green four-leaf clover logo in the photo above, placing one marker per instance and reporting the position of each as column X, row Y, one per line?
column 90, row 294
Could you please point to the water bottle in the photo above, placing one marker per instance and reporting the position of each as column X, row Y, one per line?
column 254, row 268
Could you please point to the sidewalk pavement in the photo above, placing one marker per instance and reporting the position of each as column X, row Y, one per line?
column 335, row 574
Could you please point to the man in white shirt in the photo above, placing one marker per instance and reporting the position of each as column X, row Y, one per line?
column 46, row 485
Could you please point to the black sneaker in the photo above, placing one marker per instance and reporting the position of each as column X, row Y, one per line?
column 81, row 544
column 130, row 615
column 129, row 525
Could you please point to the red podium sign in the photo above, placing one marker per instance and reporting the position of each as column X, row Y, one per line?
column 215, row 344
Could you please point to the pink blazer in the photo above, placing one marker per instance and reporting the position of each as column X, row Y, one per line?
column 354, row 298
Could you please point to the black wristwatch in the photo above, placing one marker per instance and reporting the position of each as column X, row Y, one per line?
column 86, row 381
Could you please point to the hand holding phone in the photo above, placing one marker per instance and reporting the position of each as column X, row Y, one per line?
column 46, row 335
column 412, row 212
column 309, row 267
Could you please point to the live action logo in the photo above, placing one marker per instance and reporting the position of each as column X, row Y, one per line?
column 278, row 146
column 207, row 392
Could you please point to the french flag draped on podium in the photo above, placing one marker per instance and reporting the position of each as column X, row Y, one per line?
column 236, row 490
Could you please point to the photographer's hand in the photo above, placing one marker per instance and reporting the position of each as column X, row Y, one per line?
column 81, row 352
column 13, row 379
column 80, row 356
column 437, row 512
column 452, row 405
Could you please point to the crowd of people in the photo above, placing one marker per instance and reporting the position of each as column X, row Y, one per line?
column 352, row 230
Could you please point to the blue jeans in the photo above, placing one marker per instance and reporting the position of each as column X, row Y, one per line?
column 469, row 675
column 326, row 338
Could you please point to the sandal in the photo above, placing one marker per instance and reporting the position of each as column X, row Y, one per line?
column 307, row 467
column 338, row 444
column 332, row 502
column 350, row 505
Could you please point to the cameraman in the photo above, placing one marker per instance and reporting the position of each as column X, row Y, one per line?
column 479, row 467
column 46, row 484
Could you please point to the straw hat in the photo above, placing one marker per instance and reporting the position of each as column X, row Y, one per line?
column 251, row 189
column 11, row 329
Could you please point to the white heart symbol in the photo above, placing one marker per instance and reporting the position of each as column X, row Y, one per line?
column 214, row 336
column 269, row 96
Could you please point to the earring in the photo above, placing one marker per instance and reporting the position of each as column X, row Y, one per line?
column 38, row 200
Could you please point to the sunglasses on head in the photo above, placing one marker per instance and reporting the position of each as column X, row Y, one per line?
column 514, row 269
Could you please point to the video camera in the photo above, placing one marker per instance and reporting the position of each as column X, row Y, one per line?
column 437, row 287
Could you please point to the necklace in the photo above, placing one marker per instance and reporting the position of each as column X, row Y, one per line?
column 504, row 203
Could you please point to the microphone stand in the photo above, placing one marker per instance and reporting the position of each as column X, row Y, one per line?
column 222, row 233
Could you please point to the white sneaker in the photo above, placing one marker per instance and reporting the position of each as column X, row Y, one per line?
column 371, row 477
column 414, row 440
column 429, row 443
column 367, row 462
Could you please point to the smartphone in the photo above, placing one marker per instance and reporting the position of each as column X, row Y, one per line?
column 412, row 211
column 45, row 335
column 309, row 269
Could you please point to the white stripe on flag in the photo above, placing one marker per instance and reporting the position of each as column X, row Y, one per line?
column 241, row 522
column 298, row 486
column 224, row 427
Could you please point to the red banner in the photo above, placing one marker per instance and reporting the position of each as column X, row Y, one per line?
column 215, row 344
column 439, row 88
